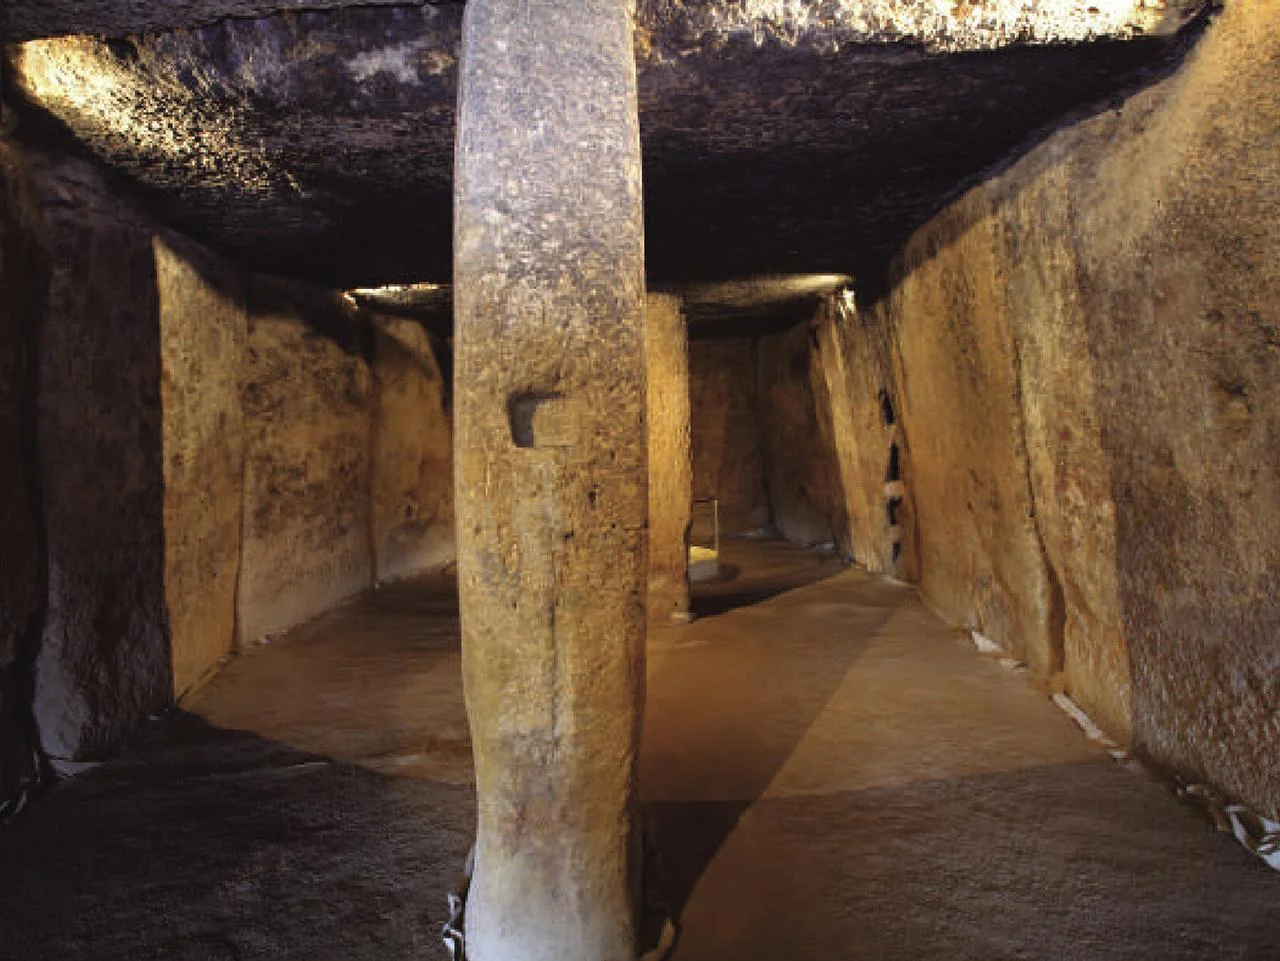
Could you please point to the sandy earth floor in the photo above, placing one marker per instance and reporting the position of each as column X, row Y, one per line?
column 832, row 774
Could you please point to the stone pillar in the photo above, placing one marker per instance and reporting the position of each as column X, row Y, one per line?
column 551, row 472
column 670, row 460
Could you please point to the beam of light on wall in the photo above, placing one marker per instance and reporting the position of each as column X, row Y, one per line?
column 949, row 24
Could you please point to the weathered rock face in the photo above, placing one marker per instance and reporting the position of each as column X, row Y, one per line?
column 728, row 460
column 125, row 470
column 307, row 401
column 202, row 328
column 981, row 555
column 799, row 452
column 983, row 24
column 412, row 469
column 21, row 555
column 777, row 137
column 1103, row 320
column 551, row 473
column 103, row 662
column 670, row 459
column 851, row 390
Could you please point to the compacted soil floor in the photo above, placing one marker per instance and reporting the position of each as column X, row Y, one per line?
column 830, row 773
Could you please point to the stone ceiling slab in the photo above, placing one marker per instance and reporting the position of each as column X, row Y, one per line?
column 779, row 136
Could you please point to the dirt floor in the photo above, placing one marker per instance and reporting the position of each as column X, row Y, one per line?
column 832, row 774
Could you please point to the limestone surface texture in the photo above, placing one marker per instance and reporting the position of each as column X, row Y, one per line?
column 1087, row 358
column 21, row 568
column 551, row 473
column 318, row 142
column 851, row 391
column 104, row 659
column 307, row 407
column 412, row 468
column 830, row 750
column 670, row 458
column 728, row 454
column 958, row 387
column 801, row 472
column 202, row 328
column 981, row 25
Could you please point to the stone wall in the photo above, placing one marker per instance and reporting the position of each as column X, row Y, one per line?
column 801, row 471
column 1088, row 348
column 104, row 660
column 202, row 340
column 670, row 459
column 308, row 402
column 176, row 470
column 852, row 394
column 412, row 468
column 21, row 561
column 728, row 460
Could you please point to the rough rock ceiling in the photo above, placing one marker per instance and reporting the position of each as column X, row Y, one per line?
column 780, row 136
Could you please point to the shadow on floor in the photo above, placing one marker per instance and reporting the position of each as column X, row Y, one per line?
column 1076, row 862
column 731, row 699
column 206, row 844
column 753, row 571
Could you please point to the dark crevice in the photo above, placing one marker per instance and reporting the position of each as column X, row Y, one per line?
column 892, row 507
column 887, row 414
column 894, row 471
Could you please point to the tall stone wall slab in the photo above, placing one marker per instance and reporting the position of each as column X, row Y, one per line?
column 307, row 401
column 1088, row 345
column 958, row 387
column 670, row 458
column 203, row 326
column 797, row 434
column 103, row 663
column 852, row 385
column 412, row 466
column 21, row 553
column 728, row 459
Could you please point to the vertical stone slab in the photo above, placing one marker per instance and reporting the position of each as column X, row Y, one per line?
column 551, row 472
column 799, row 453
column 307, row 398
column 103, row 664
column 412, row 460
column 728, row 451
column 202, row 337
column 670, row 460
column 21, row 587
column 852, row 387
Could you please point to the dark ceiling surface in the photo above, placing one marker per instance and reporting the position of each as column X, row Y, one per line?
column 318, row 143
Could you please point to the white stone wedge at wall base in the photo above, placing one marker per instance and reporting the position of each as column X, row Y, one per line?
column 1258, row 835
column 1091, row 730
column 984, row 644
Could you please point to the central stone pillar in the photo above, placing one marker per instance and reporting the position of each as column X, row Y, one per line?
column 550, row 450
